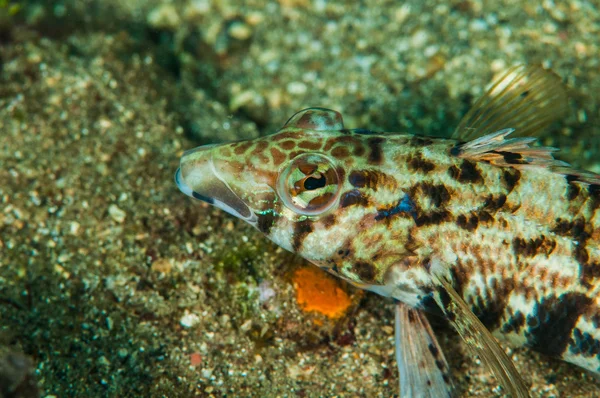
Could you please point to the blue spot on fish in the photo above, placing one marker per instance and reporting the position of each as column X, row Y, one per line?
column 405, row 205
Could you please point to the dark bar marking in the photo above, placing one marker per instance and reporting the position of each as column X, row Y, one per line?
column 573, row 190
column 511, row 179
column 417, row 163
column 594, row 191
column 376, row 154
column 265, row 222
column 438, row 194
column 301, row 230
column 549, row 328
column 434, row 218
column 468, row 173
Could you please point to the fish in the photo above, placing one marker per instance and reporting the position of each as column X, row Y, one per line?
column 486, row 228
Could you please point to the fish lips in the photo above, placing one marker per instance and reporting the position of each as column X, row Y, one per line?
column 197, row 177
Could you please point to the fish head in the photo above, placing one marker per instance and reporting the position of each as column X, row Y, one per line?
column 302, row 187
column 286, row 175
column 254, row 177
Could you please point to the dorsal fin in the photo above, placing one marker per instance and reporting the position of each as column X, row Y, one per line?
column 526, row 98
column 498, row 150
column 524, row 101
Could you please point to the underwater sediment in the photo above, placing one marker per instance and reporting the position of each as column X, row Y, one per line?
column 112, row 283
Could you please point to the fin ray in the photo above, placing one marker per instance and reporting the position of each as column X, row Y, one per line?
column 527, row 98
column 498, row 150
column 478, row 338
column 422, row 366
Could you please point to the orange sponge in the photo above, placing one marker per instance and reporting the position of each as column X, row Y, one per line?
column 319, row 292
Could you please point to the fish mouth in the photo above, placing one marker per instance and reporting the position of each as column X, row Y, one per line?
column 197, row 177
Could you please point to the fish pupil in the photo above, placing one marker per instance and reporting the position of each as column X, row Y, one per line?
column 314, row 182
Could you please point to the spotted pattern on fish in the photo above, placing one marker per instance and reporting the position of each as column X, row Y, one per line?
column 525, row 241
column 485, row 229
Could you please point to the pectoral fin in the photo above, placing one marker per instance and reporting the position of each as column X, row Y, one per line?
column 423, row 369
column 478, row 338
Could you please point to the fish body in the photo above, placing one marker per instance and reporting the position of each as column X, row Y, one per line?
column 490, row 227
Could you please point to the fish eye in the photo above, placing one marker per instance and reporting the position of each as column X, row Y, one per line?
column 309, row 184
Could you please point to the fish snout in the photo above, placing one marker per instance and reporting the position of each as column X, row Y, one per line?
column 199, row 178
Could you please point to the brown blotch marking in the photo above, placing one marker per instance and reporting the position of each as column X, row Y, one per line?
column 242, row 147
column 312, row 145
column 573, row 190
column 340, row 152
column 588, row 272
column 359, row 149
column 438, row 194
column 365, row 271
column 532, row 247
column 575, row 229
column 353, row 197
column 511, row 178
column 236, row 165
column 550, row 325
column 417, row 163
column 358, row 178
column 328, row 221
column 494, row 203
column 287, row 145
column 259, row 148
column 301, row 230
column 433, row 218
column 371, row 179
column 594, row 191
column 468, row 173
column 345, row 139
column 265, row 222
column 484, row 216
column 470, row 222
column 376, row 154
column 278, row 156
column 287, row 135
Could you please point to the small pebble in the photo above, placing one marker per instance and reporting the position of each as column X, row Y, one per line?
column 116, row 213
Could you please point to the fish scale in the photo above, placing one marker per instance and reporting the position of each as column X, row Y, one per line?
column 492, row 232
